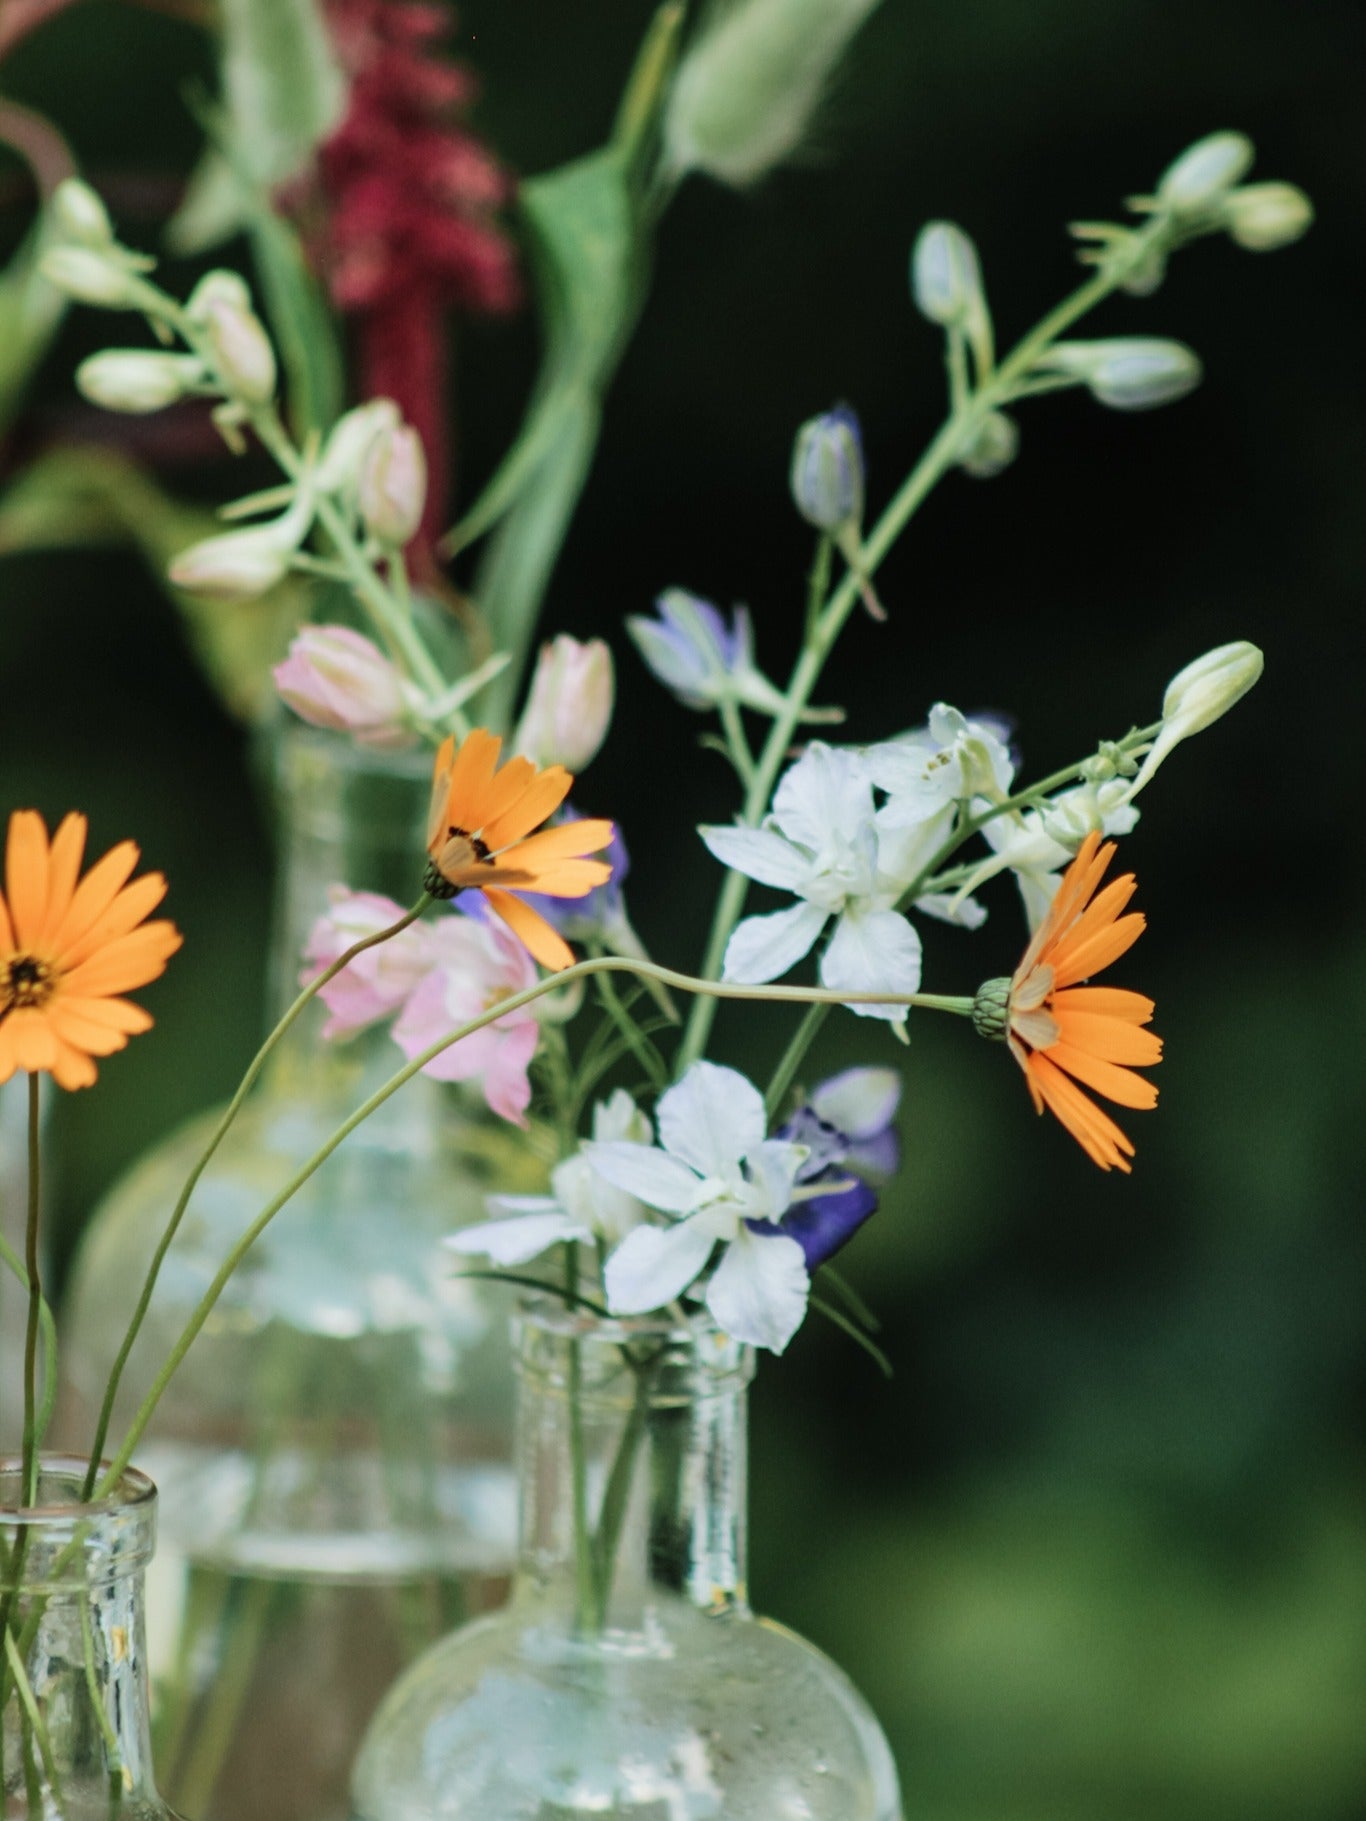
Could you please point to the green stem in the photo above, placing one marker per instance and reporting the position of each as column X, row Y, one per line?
column 582, row 970
column 35, row 1301
column 617, row 1493
column 234, row 1106
column 943, row 452
column 785, row 1073
column 15, row 1265
column 585, row 1585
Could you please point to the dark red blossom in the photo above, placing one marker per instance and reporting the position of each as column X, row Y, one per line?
column 404, row 219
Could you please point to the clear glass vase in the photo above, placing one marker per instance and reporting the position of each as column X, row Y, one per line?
column 334, row 1455
column 75, row 1736
column 628, row 1677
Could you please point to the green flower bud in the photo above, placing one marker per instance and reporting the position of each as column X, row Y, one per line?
column 749, row 85
column 1204, row 173
column 350, row 437
column 393, row 485
column 1129, row 373
column 79, row 215
column 946, row 279
column 241, row 351
column 128, row 379
column 994, row 447
column 221, row 286
column 1264, row 216
column 1197, row 696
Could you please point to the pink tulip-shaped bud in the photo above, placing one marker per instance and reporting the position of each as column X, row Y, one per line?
column 569, row 708
column 393, row 485
column 337, row 678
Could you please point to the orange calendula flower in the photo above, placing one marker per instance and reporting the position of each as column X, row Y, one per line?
column 1061, row 1032
column 479, row 838
column 69, row 946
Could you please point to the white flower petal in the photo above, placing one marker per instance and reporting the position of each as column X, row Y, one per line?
column 711, row 1119
column 825, row 794
column 515, row 1241
column 759, row 1292
column 647, row 1173
column 773, row 1170
column 873, row 951
column 953, row 907
column 762, row 948
column 759, row 853
column 654, row 1265
column 859, row 1102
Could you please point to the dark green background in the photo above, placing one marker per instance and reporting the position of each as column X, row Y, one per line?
column 1099, row 1551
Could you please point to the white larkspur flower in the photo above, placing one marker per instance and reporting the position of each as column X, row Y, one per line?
column 949, row 761
column 725, row 1182
column 582, row 1204
column 1036, row 845
column 822, row 842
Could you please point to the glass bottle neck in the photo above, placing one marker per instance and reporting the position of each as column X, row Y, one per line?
column 632, row 1461
column 71, row 1587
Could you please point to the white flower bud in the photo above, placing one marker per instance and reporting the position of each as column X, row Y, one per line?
column 1264, row 216
column 569, row 707
column 239, row 565
column 339, row 469
column 1198, row 695
column 1205, row 172
column 241, row 351
column 129, row 379
column 946, row 279
column 80, row 216
column 221, row 286
column 1130, row 373
column 748, row 87
column 92, row 278
column 392, row 489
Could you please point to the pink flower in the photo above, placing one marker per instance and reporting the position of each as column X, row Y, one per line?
column 569, row 706
column 334, row 677
column 477, row 964
column 378, row 982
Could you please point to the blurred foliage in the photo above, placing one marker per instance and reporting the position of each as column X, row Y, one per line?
column 1099, row 1551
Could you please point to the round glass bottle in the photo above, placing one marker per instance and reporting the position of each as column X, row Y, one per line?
column 628, row 1677
column 75, row 1735
column 334, row 1456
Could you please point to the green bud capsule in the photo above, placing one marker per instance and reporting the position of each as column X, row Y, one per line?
column 1264, row 216
column 92, row 278
column 80, row 216
column 991, row 1009
column 827, row 470
column 946, row 279
column 131, row 380
column 994, row 447
column 1129, row 373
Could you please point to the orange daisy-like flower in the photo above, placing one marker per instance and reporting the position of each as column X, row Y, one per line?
column 479, row 838
column 70, row 946
column 1061, row 1032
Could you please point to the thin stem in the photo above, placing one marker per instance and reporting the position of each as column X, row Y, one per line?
column 584, row 1580
column 15, row 1265
column 582, row 970
column 35, row 1300
column 737, row 744
column 617, row 1492
column 230, row 1113
column 785, row 1073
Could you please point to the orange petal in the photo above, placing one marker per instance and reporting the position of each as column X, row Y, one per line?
column 562, row 879
column 95, row 893
column 542, row 797
column 472, row 778
column 8, row 1064
column 1071, row 897
column 6, row 930
column 568, row 841
column 508, row 787
column 1117, row 1084
column 1100, row 951
column 26, row 876
column 132, row 906
column 72, row 1067
column 441, row 790
column 1096, row 1133
column 1112, row 1039
column 110, row 1014
column 1098, row 915
column 1107, row 1001
column 545, row 944
column 130, row 961
column 63, row 870
column 84, row 1033
column 35, row 1046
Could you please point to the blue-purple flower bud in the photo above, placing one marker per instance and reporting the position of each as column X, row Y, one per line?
column 827, row 470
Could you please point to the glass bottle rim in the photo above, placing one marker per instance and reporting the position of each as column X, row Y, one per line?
column 698, row 1357
column 77, row 1542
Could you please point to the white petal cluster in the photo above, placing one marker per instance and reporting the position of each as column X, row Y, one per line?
column 715, row 1170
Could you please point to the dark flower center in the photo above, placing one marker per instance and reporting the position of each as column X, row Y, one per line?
column 25, row 981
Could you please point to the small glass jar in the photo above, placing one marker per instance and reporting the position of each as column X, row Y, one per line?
column 628, row 1677
column 75, row 1737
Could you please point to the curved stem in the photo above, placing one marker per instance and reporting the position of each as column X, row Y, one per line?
column 35, row 1300
column 230, row 1113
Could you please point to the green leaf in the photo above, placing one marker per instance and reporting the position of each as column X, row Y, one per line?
column 284, row 88
column 76, row 498
column 31, row 312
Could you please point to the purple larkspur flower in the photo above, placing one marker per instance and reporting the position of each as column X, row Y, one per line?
column 827, row 470
column 691, row 649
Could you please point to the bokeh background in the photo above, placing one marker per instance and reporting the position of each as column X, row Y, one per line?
column 1099, row 1550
